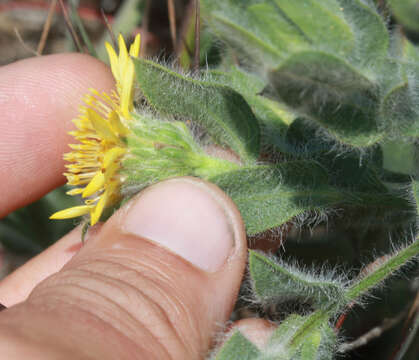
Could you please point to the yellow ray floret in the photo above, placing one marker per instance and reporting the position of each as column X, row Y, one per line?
column 101, row 127
column 123, row 72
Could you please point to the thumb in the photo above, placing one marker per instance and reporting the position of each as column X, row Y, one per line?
column 156, row 281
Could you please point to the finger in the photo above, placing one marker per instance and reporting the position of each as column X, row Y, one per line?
column 159, row 279
column 38, row 99
column 17, row 286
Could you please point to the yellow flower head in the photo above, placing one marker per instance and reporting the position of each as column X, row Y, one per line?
column 95, row 160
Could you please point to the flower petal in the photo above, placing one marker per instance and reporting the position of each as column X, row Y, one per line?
column 134, row 49
column 127, row 85
column 96, row 213
column 116, row 124
column 112, row 155
column 123, row 54
column 75, row 191
column 101, row 126
column 71, row 212
column 113, row 58
column 94, row 185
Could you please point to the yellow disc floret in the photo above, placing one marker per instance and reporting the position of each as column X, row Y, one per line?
column 101, row 129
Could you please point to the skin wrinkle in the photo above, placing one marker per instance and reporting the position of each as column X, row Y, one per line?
column 164, row 315
column 11, row 348
column 122, row 257
column 167, row 320
column 92, row 319
column 132, row 329
column 174, row 301
column 110, row 319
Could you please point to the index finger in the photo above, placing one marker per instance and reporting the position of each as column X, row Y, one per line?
column 38, row 99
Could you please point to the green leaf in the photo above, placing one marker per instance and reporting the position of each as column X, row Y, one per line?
column 274, row 117
column 371, row 34
column 266, row 32
column 295, row 331
column 415, row 189
column 410, row 52
column 275, row 281
column 310, row 348
column 399, row 157
column 399, row 105
column 331, row 92
column 321, row 22
column 219, row 109
column 406, row 12
column 276, row 29
column 269, row 196
column 242, row 30
column 237, row 347
column 399, row 110
column 283, row 335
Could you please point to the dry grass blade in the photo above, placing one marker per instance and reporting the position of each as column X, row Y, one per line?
column 412, row 318
column 172, row 21
column 371, row 334
column 47, row 27
column 197, row 36
column 109, row 27
column 70, row 27
column 25, row 46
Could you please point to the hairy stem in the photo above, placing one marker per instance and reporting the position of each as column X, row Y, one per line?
column 384, row 270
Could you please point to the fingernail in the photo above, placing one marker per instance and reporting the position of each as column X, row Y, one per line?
column 192, row 218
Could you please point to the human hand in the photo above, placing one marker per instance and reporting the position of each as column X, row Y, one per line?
column 157, row 281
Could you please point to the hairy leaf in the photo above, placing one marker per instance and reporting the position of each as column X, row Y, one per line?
column 274, row 117
column 241, row 30
column 321, row 22
column 399, row 106
column 277, row 282
column 406, row 12
column 237, row 347
column 283, row 335
column 399, row 157
column 269, row 31
column 371, row 34
column 310, row 348
column 219, row 109
column 415, row 190
column 333, row 93
column 297, row 336
column 269, row 196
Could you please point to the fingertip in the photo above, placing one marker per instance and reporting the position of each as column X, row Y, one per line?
column 188, row 216
column 38, row 99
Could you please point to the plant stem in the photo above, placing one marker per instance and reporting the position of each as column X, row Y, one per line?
column 409, row 340
column 383, row 271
